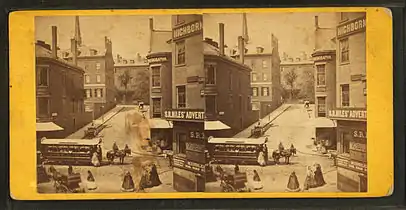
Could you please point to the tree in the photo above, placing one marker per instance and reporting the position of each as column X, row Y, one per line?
column 125, row 79
column 308, row 85
column 290, row 79
column 141, row 92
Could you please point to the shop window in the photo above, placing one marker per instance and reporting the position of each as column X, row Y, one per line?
column 43, row 76
column 264, row 64
column 254, row 77
column 345, row 140
column 264, row 76
column 180, row 52
column 254, row 91
column 265, row 91
column 156, row 76
column 210, row 75
column 344, row 51
column 321, row 107
column 156, row 107
column 181, row 140
column 211, row 105
column 98, row 78
column 43, row 107
column 321, row 75
column 345, row 95
column 87, row 79
column 181, row 96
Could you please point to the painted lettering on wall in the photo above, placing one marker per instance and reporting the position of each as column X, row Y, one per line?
column 189, row 165
column 351, row 27
column 157, row 60
column 188, row 29
column 358, row 147
column 195, row 147
column 347, row 114
column 352, row 165
column 322, row 58
column 184, row 115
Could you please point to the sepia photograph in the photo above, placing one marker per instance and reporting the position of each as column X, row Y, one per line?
column 213, row 102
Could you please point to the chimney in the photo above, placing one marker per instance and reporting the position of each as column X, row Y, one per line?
column 54, row 42
column 241, row 48
column 125, row 61
column 132, row 61
column 297, row 59
column 138, row 57
column 221, row 31
column 285, row 56
column 118, row 58
column 260, row 49
column 74, row 50
column 151, row 29
column 316, row 22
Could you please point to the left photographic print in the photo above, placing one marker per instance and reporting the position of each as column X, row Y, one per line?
column 93, row 97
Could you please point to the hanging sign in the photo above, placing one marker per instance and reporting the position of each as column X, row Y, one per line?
column 184, row 115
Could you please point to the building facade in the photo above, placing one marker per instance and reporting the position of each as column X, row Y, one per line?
column 98, row 65
column 303, row 84
column 59, row 92
column 131, row 79
column 351, row 102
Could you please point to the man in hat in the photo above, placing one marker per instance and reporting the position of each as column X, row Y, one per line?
column 115, row 148
column 281, row 147
column 293, row 183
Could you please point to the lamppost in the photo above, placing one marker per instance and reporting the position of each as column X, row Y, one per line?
column 101, row 112
column 269, row 114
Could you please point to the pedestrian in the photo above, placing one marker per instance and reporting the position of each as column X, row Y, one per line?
column 318, row 176
column 293, row 183
column 128, row 183
column 236, row 169
column 70, row 170
column 309, row 181
column 261, row 159
column 257, row 184
column 91, row 182
column 265, row 150
column 95, row 159
column 99, row 153
column 293, row 150
column 155, row 181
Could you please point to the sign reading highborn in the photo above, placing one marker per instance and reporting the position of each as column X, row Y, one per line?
column 351, row 27
column 184, row 115
column 348, row 114
column 187, row 30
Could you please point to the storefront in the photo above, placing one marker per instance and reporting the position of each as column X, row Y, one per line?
column 189, row 146
column 351, row 148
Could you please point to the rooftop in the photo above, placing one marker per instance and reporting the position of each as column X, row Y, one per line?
column 43, row 52
column 209, row 49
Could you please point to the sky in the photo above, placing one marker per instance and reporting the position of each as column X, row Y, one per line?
column 129, row 34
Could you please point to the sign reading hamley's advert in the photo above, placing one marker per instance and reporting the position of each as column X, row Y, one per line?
column 184, row 115
column 349, row 114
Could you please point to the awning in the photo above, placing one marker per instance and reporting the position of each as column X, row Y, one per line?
column 215, row 125
column 48, row 126
column 322, row 122
column 160, row 123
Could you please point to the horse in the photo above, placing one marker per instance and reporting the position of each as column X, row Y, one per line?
column 111, row 155
column 277, row 154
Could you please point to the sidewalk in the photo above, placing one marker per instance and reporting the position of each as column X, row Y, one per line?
column 269, row 118
column 106, row 117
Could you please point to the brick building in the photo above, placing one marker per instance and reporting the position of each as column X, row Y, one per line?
column 303, row 85
column 59, row 92
column 351, row 102
column 98, row 65
column 131, row 78
column 265, row 75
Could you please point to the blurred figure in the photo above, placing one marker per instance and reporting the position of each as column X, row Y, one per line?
column 115, row 148
column 128, row 183
column 293, row 183
column 257, row 184
column 70, row 170
column 91, row 182
column 261, row 159
column 318, row 176
column 236, row 168
column 281, row 147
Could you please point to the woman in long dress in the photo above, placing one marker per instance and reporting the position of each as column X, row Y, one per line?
column 257, row 184
column 95, row 159
column 293, row 183
column 91, row 182
column 318, row 176
column 261, row 159
column 155, row 181
column 309, row 181
column 128, row 183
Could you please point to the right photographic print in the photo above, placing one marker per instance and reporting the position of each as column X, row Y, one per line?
column 286, row 95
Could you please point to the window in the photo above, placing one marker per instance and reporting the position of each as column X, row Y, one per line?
column 230, row 80
column 156, row 107
column 88, row 93
column 98, row 78
column 210, row 75
column 180, row 53
column 264, row 76
column 43, row 107
column 254, row 77
column 181, row 96
column 344, row 51
column 343, row 16
column 345, row 95
column 321, row 107
column 87, row 79
column 43, row 76
column 156, row 76
column 321, row 74
column 265, row 91
column 95, row 92
column 97, row 66
column 345, row 140
column 264, row 64
column 101, row 92
column 211, row 105
column 181, row 140
column 254, row 91
column 98, row 92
